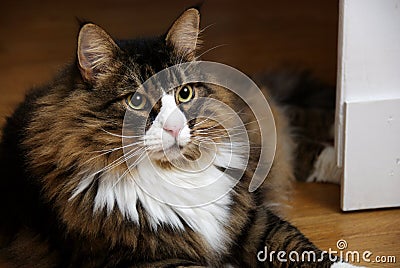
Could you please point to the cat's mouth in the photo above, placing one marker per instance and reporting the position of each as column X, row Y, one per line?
column 169, row 146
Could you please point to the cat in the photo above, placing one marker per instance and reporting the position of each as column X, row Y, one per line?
column 67, row 199
column 309, row 106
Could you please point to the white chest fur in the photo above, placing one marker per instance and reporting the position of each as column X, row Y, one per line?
column 171, row 197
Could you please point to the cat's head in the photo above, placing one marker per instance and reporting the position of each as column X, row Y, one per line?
column 166, row 124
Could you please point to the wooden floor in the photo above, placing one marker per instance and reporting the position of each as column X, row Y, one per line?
column 315, row 210
column 37, row 38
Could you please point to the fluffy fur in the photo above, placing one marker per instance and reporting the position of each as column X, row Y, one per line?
column 74, row 199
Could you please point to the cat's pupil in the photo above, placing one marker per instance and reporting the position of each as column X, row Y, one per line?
column 184, row 93
column 137, row 100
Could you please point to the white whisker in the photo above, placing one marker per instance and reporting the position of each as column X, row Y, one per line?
column 120, row 136
column 208, row 50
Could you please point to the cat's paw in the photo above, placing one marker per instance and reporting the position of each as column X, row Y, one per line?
column 325, row 169
column 344, row 265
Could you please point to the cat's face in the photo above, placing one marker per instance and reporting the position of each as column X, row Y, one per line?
column 166, row 124
column 171, row 126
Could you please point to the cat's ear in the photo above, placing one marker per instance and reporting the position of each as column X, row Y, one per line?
column 96, row 52
column 184, row 33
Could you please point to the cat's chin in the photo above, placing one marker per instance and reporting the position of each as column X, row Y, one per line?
column 167, row 154
column 176, row 155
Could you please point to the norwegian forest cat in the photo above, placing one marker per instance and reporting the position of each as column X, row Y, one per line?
column 67, row 199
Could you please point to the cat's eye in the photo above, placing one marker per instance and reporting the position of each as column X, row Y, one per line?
column 136, row 101
column 184, row 94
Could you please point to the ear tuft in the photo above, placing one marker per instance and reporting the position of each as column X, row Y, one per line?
column 96, row 50
column 183, row 34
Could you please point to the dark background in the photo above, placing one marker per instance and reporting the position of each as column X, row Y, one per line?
column 38, row 37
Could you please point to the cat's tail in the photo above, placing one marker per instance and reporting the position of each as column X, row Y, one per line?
column 310, row 107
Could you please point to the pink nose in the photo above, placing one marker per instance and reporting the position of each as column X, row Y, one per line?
column 173, row 130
